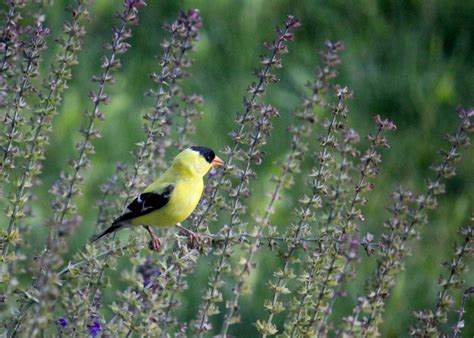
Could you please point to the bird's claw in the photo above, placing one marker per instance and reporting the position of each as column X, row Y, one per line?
column 155, row 244
column 194, row 238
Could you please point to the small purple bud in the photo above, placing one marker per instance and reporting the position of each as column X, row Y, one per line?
column 193, row 14
column 95, row 327
column 149, row 272
column 62, row 322
column 134, row 3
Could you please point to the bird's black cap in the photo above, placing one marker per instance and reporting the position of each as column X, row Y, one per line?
column 207, row 153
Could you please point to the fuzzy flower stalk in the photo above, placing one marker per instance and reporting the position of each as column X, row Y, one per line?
column 64, row 221
column 37, row 136
column 168, row 93
column 15, row 117
column 10, row 46
column 344, row 239
column 401, row 226
column 255, row 127
column 460, row 324
column 429, row 321
column 305, row 119
column 307, row 301
column 300, row 229
column 245, row 120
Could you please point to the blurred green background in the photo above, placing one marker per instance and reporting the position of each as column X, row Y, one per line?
column 410, row 61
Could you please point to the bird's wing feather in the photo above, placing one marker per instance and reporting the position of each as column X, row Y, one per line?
column 147, row 202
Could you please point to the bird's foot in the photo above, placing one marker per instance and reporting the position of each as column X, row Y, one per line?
column 194, row 238
column 155, row 243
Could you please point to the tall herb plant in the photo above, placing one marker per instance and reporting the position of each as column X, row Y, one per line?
column 315, row 256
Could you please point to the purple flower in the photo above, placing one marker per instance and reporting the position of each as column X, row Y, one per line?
column 62, row 322
column 134, row 3
column 148, row 272
column 95, row 327
column 194, row 14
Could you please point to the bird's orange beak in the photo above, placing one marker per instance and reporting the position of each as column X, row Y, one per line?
column 217, row 162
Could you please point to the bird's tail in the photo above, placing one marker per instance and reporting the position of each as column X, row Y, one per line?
column 114, row 227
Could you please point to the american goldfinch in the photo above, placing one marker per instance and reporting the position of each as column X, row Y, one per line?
column 172, row 197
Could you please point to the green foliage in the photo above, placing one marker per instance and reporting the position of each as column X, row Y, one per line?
column 320, row 223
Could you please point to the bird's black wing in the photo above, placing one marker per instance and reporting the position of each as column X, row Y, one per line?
column 147, row 202
column 143, row 204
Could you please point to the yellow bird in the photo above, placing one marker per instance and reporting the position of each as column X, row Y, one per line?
column 172, row 197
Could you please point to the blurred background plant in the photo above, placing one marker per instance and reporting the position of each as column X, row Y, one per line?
column 313, row 228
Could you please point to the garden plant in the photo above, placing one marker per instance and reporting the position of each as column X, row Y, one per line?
column 306, row 231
